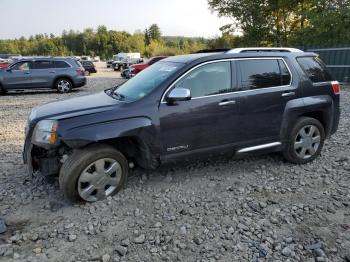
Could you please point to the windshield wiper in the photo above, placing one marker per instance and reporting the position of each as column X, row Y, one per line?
column 113, row 93
column 118, row 95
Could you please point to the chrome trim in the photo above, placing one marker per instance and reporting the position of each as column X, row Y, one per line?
column 225, row 103
column 288, row 94
column 226, row 60
column 253, row 148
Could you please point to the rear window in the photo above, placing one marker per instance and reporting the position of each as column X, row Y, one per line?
column 314, row 69
column 263, row 73
column 61, row 64
column 87, row 63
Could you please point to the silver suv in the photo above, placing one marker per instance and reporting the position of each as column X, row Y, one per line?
column 61, row 74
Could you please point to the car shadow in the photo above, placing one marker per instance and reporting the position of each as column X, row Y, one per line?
column 174, row 169
column 38, row 92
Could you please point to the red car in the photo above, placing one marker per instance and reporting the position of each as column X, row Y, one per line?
column 4, row 64
column 137, row 68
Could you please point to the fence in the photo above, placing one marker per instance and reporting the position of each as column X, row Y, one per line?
column 337, row 61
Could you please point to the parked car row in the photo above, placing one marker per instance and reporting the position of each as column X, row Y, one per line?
column 133, row 70
column 61, row 73
column 121, row 61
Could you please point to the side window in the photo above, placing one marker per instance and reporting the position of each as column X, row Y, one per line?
column 43, row 64
column 210, row 79
column 314, row 69
column 60, row 64
column 285, row 74
column 22, row 66
column 260, row 73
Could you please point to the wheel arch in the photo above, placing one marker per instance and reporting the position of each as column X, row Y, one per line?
column 136, row 138
column 320, row 108
column 62, row 77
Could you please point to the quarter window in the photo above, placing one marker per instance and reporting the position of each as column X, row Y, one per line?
column 210, row 79
column 314, row 69
column 263, row 73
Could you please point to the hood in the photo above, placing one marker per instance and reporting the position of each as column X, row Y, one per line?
column 83, row 105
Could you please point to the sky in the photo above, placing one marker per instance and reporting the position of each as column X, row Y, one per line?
column 174, row 17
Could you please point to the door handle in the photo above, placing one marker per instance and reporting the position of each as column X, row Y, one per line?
column 226, row 103
column 288, row 94
column 52, row 72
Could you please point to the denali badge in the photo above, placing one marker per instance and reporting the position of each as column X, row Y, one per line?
column 175, row 148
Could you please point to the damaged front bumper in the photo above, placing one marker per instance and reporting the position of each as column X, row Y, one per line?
column 39, row 159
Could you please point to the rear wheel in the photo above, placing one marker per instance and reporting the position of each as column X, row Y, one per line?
column 63, row 85
column 305, row 142
column 93, row 173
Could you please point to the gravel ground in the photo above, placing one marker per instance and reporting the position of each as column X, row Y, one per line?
column 254, row 209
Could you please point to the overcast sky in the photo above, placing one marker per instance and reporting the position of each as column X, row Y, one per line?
column 175, row 17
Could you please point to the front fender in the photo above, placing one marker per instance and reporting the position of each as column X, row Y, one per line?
column 80, row 136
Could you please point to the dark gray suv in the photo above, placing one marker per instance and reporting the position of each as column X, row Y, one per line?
column 61, row 74
column 182, row 108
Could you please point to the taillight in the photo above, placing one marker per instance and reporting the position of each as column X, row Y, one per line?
column 80, row 71
column 336, row 87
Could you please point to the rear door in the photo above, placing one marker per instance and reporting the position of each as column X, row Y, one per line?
column 210, row 118
column 19, row 76
column 265, row 88
column 43, row 73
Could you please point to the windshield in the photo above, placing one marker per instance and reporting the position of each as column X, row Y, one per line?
column 146, row 81
column 116, row 58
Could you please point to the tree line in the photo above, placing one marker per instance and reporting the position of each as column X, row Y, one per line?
column 297, row 23
column 102, row 42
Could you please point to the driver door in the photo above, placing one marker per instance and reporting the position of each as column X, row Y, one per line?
column 209, row 120
column 19, row 75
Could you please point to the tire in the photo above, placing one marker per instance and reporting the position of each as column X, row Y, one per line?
column 3, row 91
column 63, row 85
column 304, row 147
column 80, row 179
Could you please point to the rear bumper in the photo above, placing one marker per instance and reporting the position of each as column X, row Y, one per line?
column 79, row 82
column 336, row 119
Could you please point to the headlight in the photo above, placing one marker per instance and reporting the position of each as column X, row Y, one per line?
column 45, row 132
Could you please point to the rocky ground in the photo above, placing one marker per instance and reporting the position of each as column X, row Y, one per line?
column 258, row 208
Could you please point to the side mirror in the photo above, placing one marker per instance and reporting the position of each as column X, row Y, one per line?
column 179, row 94
column 8, row 69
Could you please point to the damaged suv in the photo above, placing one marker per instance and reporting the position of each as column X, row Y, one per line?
column 181, row 107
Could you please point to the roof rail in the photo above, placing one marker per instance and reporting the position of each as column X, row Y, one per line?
column 218, row 50
column 263, row 49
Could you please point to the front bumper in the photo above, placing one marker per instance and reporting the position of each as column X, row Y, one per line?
column 27, row 155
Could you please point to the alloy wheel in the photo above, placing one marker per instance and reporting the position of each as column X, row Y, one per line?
column 307, row 141
column 99, row 180
column 63, row 86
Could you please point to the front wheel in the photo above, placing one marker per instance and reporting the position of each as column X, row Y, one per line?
column 63, row 85
column 3, row 91
column 93, row 173
column 305, row 141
